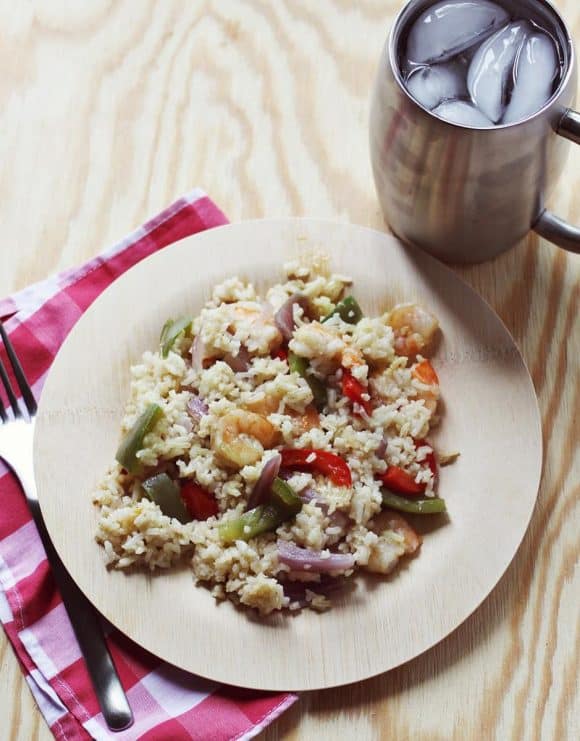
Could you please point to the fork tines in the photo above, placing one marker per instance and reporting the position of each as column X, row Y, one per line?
column 23, row 385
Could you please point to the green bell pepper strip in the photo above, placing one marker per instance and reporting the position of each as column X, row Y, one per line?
column 433, row 506
column 297, row 364
column 284, row 505
column 166, row 494
column 300, row 365
column 261, row 519
column 132, row 443
column 285, row 498
column 348, row 310
column 171, row 331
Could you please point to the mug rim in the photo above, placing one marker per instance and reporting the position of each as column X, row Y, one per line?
column 563, row 82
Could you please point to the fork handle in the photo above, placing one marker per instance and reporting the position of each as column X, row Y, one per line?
column 89, row 633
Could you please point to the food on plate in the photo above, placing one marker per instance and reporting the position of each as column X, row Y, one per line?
column 277, row 444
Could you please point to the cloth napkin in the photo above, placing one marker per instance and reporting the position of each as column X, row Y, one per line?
column 167, row 703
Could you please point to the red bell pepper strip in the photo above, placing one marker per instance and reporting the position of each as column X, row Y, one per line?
column 425, row 373
column 319, row 461
column 401, row 482
column 429, row 458
column 281, row 354
column 354, row 390
column 199, row 503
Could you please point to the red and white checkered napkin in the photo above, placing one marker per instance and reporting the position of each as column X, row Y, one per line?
column 167, row 703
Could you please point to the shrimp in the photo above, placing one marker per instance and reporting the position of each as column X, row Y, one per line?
column 240, row 438
column 266, row 405
column 411, row 539
column 254, row 325
column 386, row 551
column 248, row 310
column 387, row 521
column 308, row 420
column 261, row 404
column 351, row 357
column 315, row 341
column 414, row 327
column 428, row 388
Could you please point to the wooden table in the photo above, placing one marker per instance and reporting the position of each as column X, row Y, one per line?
column 109, row 111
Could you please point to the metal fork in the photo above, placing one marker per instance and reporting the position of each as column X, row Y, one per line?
column 16, row 435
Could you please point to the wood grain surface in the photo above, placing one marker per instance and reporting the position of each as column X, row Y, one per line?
column 109, row 110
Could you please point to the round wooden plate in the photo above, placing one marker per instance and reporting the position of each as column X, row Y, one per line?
column 490, row 415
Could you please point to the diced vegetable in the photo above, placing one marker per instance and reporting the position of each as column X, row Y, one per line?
column 425, row 373
column 284, row 317
column 238, row 363
column 280, row 354
column 284, row 505
column 303, row 559
column 200, row 503
column 285, row 498
column 432, row 506
column 319, row 391
column 261, row 519
column 348, row 310
column 400, row 481
column 300, row 365
column 297, row 364
column 320, row 461
column 263, row 486
column 166, row 494
column 132, row 443
column 430, row 458
column 171, row 331
column 197, row 408
column 354, row 390
column 328, row 585
column 198, row 350
column 335, row 519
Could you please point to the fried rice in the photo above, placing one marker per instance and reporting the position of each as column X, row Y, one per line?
column 238, row 388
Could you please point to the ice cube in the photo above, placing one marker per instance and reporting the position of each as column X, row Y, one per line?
column 447, row 28
column 432, row 85
column 461, row 112
column 491, row 67
column 536, row 69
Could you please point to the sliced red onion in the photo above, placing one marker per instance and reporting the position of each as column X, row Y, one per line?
column 361, row 411
column 309, row 495
column 197, row 408
column 336, row 519
column 382, row 449
column 303, row 559
column 328, row 586
column 264, row 483
column 295, row 591
column 238, row 363
column 197, row 353
column 284, row 317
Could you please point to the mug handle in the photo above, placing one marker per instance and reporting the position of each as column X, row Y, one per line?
column 550, row 226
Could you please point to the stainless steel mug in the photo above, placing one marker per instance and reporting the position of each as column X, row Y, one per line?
column 467, row 194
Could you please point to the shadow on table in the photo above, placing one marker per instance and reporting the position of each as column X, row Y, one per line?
column 507, row 599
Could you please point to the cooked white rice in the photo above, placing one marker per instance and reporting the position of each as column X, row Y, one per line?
column 133, row 530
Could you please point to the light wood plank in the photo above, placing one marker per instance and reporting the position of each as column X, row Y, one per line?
column 110, row 110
